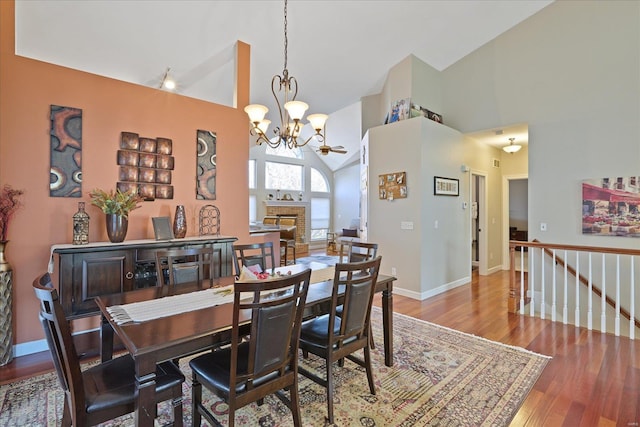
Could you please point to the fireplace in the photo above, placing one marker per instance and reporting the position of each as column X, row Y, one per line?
column 297, row 210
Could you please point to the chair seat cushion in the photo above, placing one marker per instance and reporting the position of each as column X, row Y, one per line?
column 212, row 369
column 111, row 383
column 317, row 330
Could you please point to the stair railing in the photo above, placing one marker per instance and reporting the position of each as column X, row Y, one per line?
column 535, row 286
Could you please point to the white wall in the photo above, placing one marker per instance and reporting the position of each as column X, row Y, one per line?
column 572, row 73
column 346, row 203
column 428, row 258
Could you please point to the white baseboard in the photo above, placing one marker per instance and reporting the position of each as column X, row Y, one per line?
column 433, row 292
column 31, row 347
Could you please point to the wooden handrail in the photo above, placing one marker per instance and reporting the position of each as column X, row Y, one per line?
column 547, row 249
column 537, row 244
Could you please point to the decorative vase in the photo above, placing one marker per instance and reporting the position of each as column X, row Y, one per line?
column 179, row 223
column 116, row 227
column 6, row 326
column 80, row 226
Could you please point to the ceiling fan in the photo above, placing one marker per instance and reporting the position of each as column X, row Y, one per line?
column 325, row 149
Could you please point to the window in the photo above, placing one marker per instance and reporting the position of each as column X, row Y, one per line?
column 252, row 208
column 282, row 176
column 320, row 212
column 283, row 151
column 318, row 181
column 252, row 174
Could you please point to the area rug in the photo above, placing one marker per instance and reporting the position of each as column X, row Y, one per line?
column 440, row 377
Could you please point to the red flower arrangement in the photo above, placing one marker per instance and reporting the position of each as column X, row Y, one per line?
column 9, row 203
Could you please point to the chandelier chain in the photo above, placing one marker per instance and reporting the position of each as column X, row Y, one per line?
column 286, row 40
column 291, row 111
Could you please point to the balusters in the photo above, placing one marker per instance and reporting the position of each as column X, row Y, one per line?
column 577, row 311
column 590, row 299
column 553, row 296
column 603, row 304
column 632, row 309
column 617, row 321
column 565, row 308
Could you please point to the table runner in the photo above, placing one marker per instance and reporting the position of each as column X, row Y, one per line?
column 168, row 306
column 176, row 304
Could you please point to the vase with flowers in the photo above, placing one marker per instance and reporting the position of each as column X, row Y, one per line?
column 116, row 205
column 9, row 203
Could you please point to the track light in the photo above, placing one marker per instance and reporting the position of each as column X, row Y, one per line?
column 168, row 82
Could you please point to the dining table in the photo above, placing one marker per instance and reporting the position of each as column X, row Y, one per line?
column 193, row 317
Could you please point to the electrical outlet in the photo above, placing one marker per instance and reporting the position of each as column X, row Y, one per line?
column 393, row 271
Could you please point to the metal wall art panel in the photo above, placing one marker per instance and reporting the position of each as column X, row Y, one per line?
column 206, row 168
column 145, row 166
column 65, row 178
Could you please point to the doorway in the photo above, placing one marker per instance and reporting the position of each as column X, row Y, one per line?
column 515, row 212
column 478, row 219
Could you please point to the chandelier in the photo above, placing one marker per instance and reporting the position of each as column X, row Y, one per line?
column 512, row 148
column 284, row 89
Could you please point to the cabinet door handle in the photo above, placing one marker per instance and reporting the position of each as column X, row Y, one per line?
column 129, row 275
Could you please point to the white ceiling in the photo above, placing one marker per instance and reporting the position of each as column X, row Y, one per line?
column 339, row 51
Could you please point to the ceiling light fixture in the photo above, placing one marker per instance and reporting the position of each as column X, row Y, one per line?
column 291, row 116
column 512, row 148
column 167, row 81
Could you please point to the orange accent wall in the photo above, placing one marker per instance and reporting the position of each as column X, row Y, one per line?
column 28, row 88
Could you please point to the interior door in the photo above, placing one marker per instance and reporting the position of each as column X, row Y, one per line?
column 478, row 218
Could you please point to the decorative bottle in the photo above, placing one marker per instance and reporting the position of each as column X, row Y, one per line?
column 179, row 223
column 80, row 226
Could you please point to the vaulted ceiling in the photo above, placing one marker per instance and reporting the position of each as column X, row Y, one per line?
column 339, row 51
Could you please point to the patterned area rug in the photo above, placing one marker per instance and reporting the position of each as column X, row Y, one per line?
column 440, row 377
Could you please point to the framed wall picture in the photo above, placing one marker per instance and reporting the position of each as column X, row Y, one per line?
column 445, row 186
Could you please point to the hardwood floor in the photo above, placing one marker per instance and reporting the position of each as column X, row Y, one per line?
column 592, row 380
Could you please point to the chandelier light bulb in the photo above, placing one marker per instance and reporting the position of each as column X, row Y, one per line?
column 263, row 125
column 317, row 121
column 296, row 109
column 256, row 112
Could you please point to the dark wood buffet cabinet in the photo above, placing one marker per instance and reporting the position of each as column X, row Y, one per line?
column 87, row 271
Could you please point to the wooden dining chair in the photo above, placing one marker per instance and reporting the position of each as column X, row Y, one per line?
column 357, row 251
column 335, row 338
column 102, row 392
column 264, row 362
column 253, row 254
column 288, row 240
column 176, row 266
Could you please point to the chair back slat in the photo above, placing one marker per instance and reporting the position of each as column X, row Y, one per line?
column 176, row 266
column 253, row 254
column 60, row 342
column 358, row 251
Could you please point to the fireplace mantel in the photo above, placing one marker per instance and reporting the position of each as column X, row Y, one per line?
column 286, row 203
